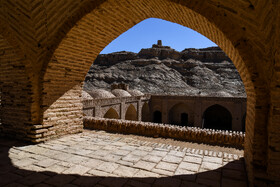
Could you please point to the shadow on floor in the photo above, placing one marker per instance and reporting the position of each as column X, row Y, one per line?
column 233, row 174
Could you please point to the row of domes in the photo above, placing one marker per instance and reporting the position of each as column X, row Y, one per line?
column 101, row 93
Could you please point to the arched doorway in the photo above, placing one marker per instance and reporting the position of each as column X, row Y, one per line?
column 131, row 113
column 184, row 119
column 217, row 117
column 145, row 112
column 157, row 117
column 111, row 114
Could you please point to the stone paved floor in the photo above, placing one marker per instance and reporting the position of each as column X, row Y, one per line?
column 96, row 158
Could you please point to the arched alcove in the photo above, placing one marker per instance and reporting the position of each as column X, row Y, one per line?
column 181, row 114
column 111, row 114
column 157, row 116
column 131, row 113
column 146, row 112
column 217, row 117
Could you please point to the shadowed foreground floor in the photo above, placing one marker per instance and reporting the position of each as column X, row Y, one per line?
column 96, row 158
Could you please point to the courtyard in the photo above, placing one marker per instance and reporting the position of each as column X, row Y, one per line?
column 97, row 158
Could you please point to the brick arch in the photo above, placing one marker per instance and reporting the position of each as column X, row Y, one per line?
column 101, row 23
column 73, row 56
column 224, row 105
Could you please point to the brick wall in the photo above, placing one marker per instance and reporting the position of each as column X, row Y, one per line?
column 15, row 101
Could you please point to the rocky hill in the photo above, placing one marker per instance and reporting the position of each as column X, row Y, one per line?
column 163, row 70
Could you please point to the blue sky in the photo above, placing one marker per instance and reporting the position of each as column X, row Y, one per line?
column 147, row 32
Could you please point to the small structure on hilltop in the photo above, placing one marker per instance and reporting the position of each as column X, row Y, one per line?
column 122, row 86
column 159, row 45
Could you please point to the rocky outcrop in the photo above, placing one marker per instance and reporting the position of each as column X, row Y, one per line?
column 210, row 54
column 163, row 70
column 114, row 58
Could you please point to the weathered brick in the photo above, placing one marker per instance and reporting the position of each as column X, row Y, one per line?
column 44, row 60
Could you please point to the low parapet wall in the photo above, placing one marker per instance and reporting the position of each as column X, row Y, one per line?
column 194, row 134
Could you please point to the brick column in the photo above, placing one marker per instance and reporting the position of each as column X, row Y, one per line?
column 139, row 110
column 122, row 110
column 164, row 112
column 198, row 114
column 98, row 112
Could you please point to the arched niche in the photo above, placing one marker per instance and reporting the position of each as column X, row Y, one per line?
column 131, row 113
column 146, row 112
column 111, row 114
column 181, row 114
column 217, row 117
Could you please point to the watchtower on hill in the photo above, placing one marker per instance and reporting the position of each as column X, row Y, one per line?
column 159, row 45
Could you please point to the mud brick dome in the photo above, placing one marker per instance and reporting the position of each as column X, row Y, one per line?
column 135, row 92
column 120, row 93
column 47, row 47
column 100, row 93
column 86, row 95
